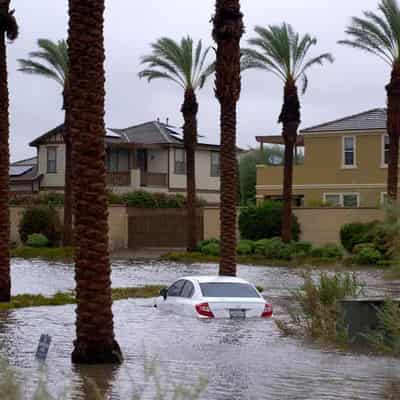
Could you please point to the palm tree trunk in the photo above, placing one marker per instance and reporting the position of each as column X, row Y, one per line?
column 68, row 195
column 393, row 128
column 95, row 342
column 290, row 118
column 189, row 110
column 5, row 281
column 227, row 32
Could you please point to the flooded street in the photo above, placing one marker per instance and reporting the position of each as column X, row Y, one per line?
column 240, row 359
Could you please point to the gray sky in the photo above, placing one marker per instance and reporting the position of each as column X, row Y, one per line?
column 354, row 83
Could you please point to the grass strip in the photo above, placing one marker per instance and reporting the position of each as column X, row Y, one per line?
column 46, row 253
column 63, row 298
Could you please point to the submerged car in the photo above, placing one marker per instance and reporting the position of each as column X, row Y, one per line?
column 214, row 297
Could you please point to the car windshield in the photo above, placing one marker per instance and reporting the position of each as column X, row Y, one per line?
column 228, row 290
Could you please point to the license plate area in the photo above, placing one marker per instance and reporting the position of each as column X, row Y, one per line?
column 236, row 313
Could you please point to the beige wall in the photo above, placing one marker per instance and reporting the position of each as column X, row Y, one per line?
column 319, row 225
column 52, row 180
column 117, row 221
column 323, row 171
column 157, row 161
column 203, row 171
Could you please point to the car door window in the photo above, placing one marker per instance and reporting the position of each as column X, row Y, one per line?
column 187, row 290
column 175, row 289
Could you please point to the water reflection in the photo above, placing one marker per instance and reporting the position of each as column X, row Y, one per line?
column 240, row 359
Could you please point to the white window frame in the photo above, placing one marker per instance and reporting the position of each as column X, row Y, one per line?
column 383, row 164
column 341, row 197
column 55, row 161
column 213, row 173
column 354, row 165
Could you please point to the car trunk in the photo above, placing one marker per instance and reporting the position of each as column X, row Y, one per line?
column 236, row 307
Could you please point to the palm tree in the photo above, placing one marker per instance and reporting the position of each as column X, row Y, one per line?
column 95, row 342
column 9, row 29
column 227, row 32
column 379, row 34
column 184, row 65
column 283, row 52
column 51, row 62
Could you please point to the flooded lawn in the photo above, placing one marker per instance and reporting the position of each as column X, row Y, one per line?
column 240, row 359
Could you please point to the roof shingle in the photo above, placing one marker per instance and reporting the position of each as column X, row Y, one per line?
column 368, row 120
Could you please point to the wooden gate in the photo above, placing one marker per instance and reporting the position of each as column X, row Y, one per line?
column 160, row 227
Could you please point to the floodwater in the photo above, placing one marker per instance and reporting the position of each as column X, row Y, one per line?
column 240, row 359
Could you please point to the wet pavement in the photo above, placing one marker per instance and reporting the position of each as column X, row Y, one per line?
column 240, row 359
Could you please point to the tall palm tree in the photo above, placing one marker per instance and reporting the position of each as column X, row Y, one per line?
column 283, row 52
column 184, row 65
column 9, row 29
column 227, row 32
column 51, row 62
column 379, row 34
column 95, row 342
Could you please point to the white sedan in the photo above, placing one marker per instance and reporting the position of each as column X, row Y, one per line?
column 214, row 297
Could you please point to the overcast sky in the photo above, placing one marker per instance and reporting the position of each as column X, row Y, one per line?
column 354, row 83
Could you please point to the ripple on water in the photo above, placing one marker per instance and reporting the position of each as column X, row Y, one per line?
column 240, row 359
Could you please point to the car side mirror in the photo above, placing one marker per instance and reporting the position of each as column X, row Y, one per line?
column 164, row 293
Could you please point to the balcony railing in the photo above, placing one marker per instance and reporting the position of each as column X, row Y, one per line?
column 118, row 178
column 153, row 179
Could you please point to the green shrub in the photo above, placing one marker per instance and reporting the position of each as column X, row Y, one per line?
column 114, row 198
column 43, row 220
column 356, row 233
column 264, row 222
column 318, row 303
column 367, row 254
column 203, row 243
column 211, row 249
column 260, row 245
column 37, row 240
column 140, row 199
column 327, row 251
column 302, row 247
column 51, row 199
column 245, row 247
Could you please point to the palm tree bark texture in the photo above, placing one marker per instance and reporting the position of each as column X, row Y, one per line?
column 393, row 128
column 227, row 32
column 189, row 110
column 9, row 29
column 95, row 342
column 68, row 192
column 290, row 118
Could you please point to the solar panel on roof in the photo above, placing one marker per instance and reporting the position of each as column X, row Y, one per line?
column 20, row 170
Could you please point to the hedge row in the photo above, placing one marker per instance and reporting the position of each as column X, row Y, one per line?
column 274, row 248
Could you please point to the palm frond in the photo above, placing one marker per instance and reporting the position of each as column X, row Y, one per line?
column 378, row 34
column 181, row 62
column 50, row 61
column 282, row 51
column 34, row 68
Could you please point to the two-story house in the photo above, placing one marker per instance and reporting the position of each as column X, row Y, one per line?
column 148, row 157
column 345, row 163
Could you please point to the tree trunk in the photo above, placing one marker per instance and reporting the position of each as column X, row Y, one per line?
column 227, row 32
column 290, row 118
column 95, row 342
column 393, row 128
column 68, row 192
column 189, row 110
column 5, row 281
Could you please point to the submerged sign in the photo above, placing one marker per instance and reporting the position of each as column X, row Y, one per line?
column 43, row 347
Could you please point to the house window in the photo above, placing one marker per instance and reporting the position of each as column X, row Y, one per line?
column 385, row 149
column 333, row 200
column 384, row 198
column 350, row 200
column 180, row 162
column 349, row 151
column 215, row 172
column 52, row 160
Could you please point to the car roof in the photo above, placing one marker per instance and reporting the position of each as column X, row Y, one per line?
column 215, row 279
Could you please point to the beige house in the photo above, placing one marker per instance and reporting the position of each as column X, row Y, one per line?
column 345, row 164
column 148, row 157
